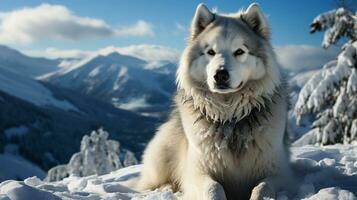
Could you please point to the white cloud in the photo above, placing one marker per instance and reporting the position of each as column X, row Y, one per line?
column 71, row 53
column 141, row 28
column 180, row 27
column 297, row 58
column 48, row 21
column 148, row 52
column 151, row 53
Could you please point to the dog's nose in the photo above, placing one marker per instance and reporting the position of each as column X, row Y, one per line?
column 221, row 76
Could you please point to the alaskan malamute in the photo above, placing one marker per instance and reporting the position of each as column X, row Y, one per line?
column 225, row 138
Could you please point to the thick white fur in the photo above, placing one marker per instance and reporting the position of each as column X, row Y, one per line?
column 191, row 154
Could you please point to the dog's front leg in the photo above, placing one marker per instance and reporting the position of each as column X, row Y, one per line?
column 197, row 183
column 212, row 190
column 203, row 187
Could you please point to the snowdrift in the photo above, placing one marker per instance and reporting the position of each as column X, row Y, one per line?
column 328, row 172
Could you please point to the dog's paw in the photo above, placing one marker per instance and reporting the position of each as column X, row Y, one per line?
column 215, row 191
column 262, row 192
column 166, row 188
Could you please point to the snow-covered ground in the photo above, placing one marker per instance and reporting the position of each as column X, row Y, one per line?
column 324, row 173
column 328, row 172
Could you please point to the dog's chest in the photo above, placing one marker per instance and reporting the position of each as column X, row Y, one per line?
column 231, row 159
column 228, row 147
column 221, row 145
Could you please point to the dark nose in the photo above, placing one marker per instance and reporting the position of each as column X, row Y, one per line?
column 221, row 76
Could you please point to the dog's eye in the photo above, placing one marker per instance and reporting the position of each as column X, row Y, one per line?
column 239, row 52
column 211, row 52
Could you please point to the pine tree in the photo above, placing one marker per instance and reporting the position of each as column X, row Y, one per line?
column 331, row 94
column 97, row 155
column 129, row 159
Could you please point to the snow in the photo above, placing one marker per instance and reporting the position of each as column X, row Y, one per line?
column 336, row 24
column 94, row 72
column 332, row 193
column 123, row 81
column 129, row 159
column 15, row 167
column 331, row 95
column 31, row 91
column 89, row 188
column 16, row 131
column 328, row 172
column 98, row 155
column 133, row 104
column 301, row 78
column 16, row 62
column 307, row 138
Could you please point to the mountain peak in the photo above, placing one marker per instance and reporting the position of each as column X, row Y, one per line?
column 15, row 61
column 118, row 58
column 115, row 54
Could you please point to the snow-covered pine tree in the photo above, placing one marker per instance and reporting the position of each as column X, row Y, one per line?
column 97, row 155
column 129, row 159
column 331, row 94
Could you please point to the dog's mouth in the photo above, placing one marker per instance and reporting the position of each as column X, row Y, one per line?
column 240, row 85
column 222, row 86
column 225, row 88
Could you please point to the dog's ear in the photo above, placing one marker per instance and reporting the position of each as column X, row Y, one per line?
column 255, row 19
column 203, row 17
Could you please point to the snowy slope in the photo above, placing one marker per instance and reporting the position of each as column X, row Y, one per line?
column 124, row 81
column 15, row 167
column 14, row 61
column 327, row 173
column 296, row 82
column 30, row 90
column 42, row 132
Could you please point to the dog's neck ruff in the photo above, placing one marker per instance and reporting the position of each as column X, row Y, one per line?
column 230, row 108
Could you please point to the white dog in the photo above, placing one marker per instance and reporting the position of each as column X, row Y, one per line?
column 225, row 138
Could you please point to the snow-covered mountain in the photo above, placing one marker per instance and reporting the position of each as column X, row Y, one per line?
column 124, row 81
column 14, row 61
column 41, row 132
column 30, row 90
column 40, row 119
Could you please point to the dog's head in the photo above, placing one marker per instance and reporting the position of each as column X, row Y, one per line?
column 226, row 53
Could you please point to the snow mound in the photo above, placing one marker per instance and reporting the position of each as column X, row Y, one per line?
column 328, row 172
column 88, row 188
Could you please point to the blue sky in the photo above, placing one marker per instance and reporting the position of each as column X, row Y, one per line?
column 170, row 19
column 151, row 30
